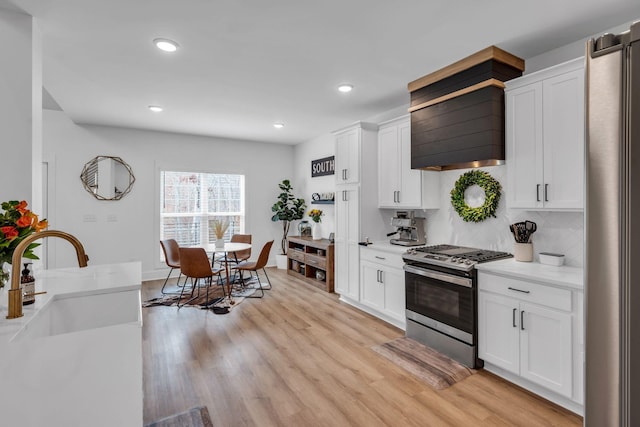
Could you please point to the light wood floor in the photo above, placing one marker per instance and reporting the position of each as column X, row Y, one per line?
column 299, row 357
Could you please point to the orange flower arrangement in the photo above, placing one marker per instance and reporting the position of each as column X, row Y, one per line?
column 16, row 223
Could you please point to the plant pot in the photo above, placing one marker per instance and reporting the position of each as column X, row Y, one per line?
column 281, row 261
column 220, row 243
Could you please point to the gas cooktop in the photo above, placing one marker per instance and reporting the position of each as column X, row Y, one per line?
column 451, row 256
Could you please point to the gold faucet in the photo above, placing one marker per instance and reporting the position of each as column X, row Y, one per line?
column 15, row 293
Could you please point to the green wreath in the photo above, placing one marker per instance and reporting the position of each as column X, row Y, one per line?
column 492, row 190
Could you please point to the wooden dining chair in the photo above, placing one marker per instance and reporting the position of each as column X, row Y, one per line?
column 171, row 252
column 194, row 265
column 255, row 266
column 238, row 256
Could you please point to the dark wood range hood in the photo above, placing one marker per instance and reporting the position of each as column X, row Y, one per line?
column 457, row 113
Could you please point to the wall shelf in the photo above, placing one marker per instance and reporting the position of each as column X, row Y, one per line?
column 322, row 202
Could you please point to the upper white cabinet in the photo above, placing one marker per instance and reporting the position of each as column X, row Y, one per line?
column 347, row 162
column 399, row 186
column 545, row 138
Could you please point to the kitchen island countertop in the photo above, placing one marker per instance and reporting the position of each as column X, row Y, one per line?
column 87, row 376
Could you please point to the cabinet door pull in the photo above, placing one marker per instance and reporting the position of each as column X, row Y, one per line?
column 546, row 192
column 522, row 320
column 513, row 318
column 381, row 276
column 518, row 290
column 380, row 257
column 537, row 192
column 394, row 197
column 398, row 195
column 344, row 195
column 378, row 276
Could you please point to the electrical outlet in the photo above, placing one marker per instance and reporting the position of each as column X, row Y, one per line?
column 89, row 218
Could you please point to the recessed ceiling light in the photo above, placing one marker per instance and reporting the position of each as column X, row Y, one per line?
column 166, row 45
column 345, row 87
column 155, row 108
column 278, row 125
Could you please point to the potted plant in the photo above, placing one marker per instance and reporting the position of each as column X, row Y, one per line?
column 288, row 208
column 219, row 229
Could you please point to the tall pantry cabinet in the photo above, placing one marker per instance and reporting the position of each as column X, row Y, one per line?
column 355, row 202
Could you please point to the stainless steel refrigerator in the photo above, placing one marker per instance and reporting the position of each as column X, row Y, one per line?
column 612, row 290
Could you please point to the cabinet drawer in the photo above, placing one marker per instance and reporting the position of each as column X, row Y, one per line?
column 297, row 255
column 526, row 291
column 316, row 261
column 381, row 257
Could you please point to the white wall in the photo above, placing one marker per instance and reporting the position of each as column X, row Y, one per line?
column 569, row 51
column 17, row 79
column 134, row 235
column 558, row 232
column 305, row 185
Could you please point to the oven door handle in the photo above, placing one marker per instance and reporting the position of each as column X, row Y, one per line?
column 443, row 277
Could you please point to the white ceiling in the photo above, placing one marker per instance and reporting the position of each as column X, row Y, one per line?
column 245, row 64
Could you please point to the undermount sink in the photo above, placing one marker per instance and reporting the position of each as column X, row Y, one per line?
column 66, row 313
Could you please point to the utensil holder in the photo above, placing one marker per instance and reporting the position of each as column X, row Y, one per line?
column 523, row 252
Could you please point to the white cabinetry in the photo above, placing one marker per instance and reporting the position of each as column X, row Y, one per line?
column 357, row 216
column 532, row 331
column 382, row 284
column 545, row 138
column 347, row 202
column 347, row 159
column 399, row 186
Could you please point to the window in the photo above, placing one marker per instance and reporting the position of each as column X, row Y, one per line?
column 190, row 202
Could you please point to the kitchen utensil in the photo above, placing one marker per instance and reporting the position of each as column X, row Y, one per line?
column 523, row 230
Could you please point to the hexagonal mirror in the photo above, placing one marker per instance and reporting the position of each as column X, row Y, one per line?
column 107, row 177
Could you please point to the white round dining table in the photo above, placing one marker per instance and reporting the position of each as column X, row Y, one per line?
column 228, row 248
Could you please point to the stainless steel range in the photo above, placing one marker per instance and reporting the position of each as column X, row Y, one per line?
column 442, row 298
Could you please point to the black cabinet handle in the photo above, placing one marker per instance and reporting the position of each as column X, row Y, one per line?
column 518, row 290
column 398, row 196
column 522, row 320
column 537, row 192
column 546, row 192
column 513, row 318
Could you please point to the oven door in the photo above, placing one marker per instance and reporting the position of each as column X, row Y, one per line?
column 441, row 301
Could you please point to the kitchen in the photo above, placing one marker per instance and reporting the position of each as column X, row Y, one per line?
column 559, row 232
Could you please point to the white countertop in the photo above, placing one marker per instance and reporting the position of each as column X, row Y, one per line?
column 87, row 377
column 564, row 276
column 384, row 245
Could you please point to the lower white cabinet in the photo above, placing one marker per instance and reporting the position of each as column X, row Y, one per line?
column 382, row 284
column 526, row 339
column 531, row 330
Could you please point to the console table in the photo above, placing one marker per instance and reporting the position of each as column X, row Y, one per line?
column 311, row 260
